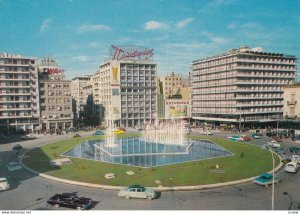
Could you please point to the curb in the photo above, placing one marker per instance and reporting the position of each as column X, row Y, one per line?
column 162, row 189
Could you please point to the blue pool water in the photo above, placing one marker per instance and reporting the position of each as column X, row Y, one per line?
column 137, row 152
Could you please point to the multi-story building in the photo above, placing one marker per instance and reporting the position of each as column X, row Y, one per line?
column 242, row 85
column 79, row 97
column 97, row 110
column 170, row 84
column 55, row 97
column 128, row 88
column 291, row 101
column 19, row 94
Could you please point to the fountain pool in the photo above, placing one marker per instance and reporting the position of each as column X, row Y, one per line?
column 144, row 153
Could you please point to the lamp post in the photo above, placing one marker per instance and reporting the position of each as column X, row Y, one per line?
column 273, row 189
column 291, row 200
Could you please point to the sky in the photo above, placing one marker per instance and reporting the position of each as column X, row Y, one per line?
column 79, row 33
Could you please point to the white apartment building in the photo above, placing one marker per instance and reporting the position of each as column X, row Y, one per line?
column 241, row 85
column 291, row 102
column 78, row 95
column 131, row 94
column 19, row 94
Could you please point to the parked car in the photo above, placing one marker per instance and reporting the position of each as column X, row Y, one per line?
column 296, row 158
column 98, row 133
column 70, row 200
column 286, row 159
column 279, row 150
column 117, row 132
column 4, row 185
column 122, row 128
column 265, row 146
column 13, row 166
column 246, row 138
column 273, row 144
column 295, row 150
column 206, row 133
column 256, row 136
column 235, row 138
column 17, row 147
column 266, row 179
column 27, row 137
column 137, row 191
column 292, row 167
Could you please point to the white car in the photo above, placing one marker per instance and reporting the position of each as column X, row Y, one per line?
column 296, row 158
column 273, row 144
column 4, row 185
column 206, row 133
column 292, row 166
column 14, row 166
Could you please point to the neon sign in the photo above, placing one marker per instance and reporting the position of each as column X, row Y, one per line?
column 53, row 71
column 131, row 53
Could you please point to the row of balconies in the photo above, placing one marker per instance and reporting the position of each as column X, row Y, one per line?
column 261, row 68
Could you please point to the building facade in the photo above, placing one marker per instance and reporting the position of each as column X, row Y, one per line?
column 78, row 94
column 240, row 86
column 291, row 102
column 171, row 83
column 55, row 97
column 130, row 94
column 19, row 94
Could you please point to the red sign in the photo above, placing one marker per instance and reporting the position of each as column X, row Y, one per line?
column 131, row 52
column 53, row 71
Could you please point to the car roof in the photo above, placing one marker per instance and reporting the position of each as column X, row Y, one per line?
column 268, row 175
column 136, row 186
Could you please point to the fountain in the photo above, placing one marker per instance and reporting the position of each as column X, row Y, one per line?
column 110, row 140
column 166, row 133
column 160, row 144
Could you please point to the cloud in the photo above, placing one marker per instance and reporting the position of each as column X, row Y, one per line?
column 232, row 26
column 185, row 22
column 92, row 28
column 80, row 58
column 94, row 45
column 215, row 39
column 154, row 25
column 45, row 25
column 216, row 4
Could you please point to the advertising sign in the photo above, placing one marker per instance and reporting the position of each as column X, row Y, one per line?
column 53, row 71
column 135, row 53
column 177, row 108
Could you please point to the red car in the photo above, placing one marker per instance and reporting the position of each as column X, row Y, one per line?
column 246, row 138
column 122, row 128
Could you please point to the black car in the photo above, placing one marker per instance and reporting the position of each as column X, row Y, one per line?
column 17, row 147
column 70, row 200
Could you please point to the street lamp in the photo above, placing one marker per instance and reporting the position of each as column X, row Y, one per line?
column 273, row 189
column 291, row 200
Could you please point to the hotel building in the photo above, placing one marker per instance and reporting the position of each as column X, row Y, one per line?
column 19, row 94
column 242, row 85
column 128, row 87
column 55, row 97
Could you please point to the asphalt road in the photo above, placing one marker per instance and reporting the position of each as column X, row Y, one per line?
column 30, row 192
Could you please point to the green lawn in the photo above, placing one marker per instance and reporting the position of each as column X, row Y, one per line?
column 248, row 161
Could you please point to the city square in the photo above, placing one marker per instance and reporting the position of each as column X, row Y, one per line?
column 163, row 100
